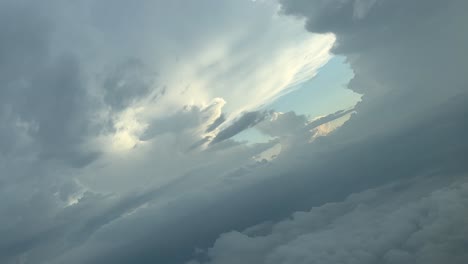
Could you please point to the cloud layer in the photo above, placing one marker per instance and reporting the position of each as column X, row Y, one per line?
column 400, row 223
column 107, row 111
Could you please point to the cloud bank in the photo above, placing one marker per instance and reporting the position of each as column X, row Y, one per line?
column 108, row 108
column 398, row 223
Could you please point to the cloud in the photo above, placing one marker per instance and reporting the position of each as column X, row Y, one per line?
column 400, row 223
column 46, row 94
column 76, row 82
column 70, row 90
column 127, row 83
column 407, row 125
column 326, row 119
column 294, row 130
column 293, row 182
column 247, row 120
column 216, row 123
column 283, row 124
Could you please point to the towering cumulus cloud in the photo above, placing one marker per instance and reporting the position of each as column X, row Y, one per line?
column 119, row 126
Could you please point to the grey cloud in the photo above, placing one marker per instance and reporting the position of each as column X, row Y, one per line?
column 55, row 102
column 191, row 117
column 220, row 120
column 292, row 129
column 400, row 70
column 409, row 123
column 129, row 81
column 200, row 143
column 282, row 192
column 283, row 124
column 23, row 49
column 46, row 105
column 46, row 92
column 358, row 16
column 382, row 34
column 328, row 118
column 412, row 122
column 25, row 42
column 247, row 120
column 180, row 121
column 177, row 28
column 276, row 191
column 399, row 223
column 296, row 126
column 187, row 120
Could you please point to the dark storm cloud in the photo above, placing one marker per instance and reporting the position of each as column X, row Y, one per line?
column 45, row 92
column 22, row 49
column 382, row 34
column 25, row 39
column 55, row 101
column 45, row 118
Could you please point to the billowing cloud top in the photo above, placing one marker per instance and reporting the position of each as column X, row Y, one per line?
column 118, row 125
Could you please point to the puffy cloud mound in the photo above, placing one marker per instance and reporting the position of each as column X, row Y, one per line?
column 423, row 221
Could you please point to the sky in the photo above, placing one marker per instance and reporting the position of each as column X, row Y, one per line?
column 233, row 132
